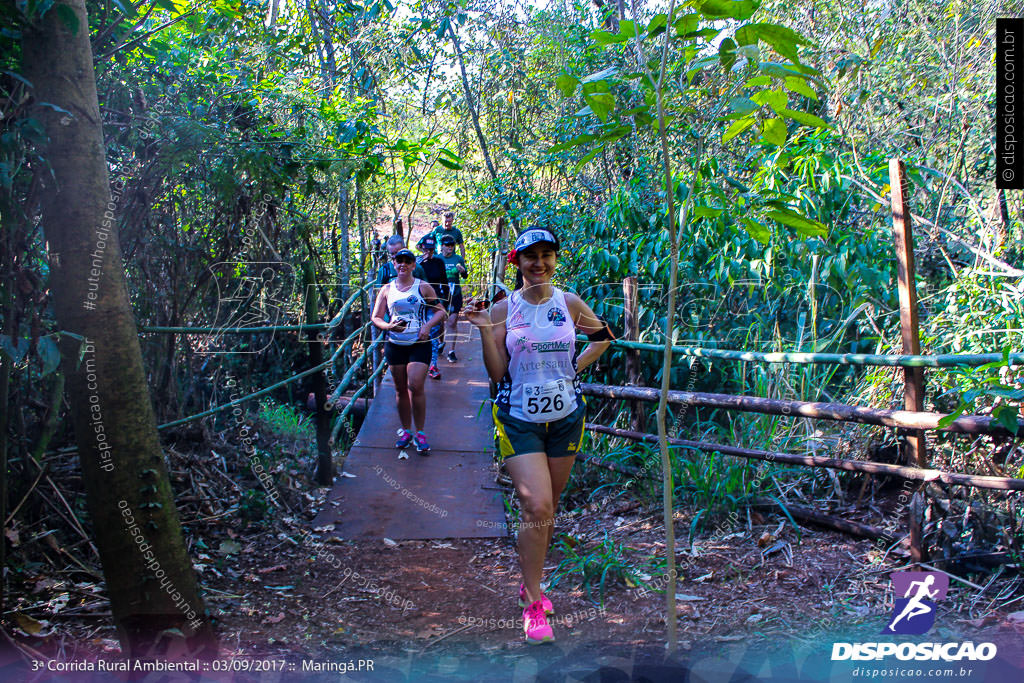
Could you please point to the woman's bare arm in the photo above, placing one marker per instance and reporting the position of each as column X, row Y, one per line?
column 587, row 322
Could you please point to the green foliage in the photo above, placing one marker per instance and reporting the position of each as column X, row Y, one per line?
column 973, row 384
column 253, row 506
column 285, row 421
column 598, row 567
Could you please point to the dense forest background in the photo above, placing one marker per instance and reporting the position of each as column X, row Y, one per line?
column 295, row 133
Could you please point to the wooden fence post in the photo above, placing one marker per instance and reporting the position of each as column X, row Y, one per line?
column 914, row 446
column 322, row 418
column 631, row 322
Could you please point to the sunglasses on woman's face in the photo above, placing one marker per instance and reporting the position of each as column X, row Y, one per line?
column 403, row 260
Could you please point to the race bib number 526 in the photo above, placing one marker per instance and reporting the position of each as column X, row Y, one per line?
column 549, row 401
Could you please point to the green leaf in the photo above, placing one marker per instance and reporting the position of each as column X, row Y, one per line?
column 1007, row 417
column 742, row 105
column 776, row 99
column 804, row 118
column 758, row 231
column 607, row 38
column 587, row 159
column 686, row 24
column 805, row 227
column 127, row 8
column 601, row 103
column 948, row 419
column 616, row 133
column 799, row 85
column 442, row 27
column 574, row 142
column 49, row 354
column 787, row 70
column 656, row 123
column 450, row 160
column 785, row 40
column 746, row 35
column 15, row 350
column 727, row 53
column 736, row 128
column 700, row 64
column 601, row 75
column 627, row 28
column 1013, row 394
column 758, row 82
column 657, row 25
column 729, row 9
column 773, row 132
column 566, row 84
column 706, row 211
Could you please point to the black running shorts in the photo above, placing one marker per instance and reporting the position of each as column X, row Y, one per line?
column 454, row 305
column 558, row 439
column 403, row 354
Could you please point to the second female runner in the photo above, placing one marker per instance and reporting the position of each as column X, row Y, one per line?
column 412, row 309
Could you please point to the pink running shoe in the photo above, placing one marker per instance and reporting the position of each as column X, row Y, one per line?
column 548, row 607
column 535, row 624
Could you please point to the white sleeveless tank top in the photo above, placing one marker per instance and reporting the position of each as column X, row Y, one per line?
column 540, row 385
column 408, row 306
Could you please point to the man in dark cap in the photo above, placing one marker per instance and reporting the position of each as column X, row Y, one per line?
column 434, row 273
column 455, row 269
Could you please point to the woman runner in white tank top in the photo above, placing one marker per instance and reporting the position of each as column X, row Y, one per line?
column 406, row 308
column 529, row 344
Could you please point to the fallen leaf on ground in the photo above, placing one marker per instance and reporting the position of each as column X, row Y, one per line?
column 32, row 627
column 229, row 547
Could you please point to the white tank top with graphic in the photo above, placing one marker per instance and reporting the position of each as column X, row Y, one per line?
column 540, row 385
column 408, row 306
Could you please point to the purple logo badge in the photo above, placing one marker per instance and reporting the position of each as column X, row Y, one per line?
column 915, row 595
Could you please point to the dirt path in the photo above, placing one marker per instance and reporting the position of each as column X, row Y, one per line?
column 448, row 610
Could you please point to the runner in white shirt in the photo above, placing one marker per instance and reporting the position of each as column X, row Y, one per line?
column 529, row 343
column 412, row 309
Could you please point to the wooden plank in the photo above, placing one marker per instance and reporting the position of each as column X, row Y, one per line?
column 868, row 467
column 838, row 412
column 450, row 493
column 914, row 449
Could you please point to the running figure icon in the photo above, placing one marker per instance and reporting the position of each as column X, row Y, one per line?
column 914, row 605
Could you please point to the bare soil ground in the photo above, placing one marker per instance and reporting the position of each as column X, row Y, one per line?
column 757, row 597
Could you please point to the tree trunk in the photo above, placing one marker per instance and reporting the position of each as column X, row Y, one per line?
column 5, row 386
column 149, row 576
column 474, row 115
column 324, row 462
column 345, row 222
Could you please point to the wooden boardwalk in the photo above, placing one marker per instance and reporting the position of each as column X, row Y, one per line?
column 449, row 494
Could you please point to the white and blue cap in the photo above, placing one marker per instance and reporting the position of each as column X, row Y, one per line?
column 530, row 237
